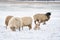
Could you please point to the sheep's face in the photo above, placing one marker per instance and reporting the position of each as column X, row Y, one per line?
column 13, row 28
column 48, row 14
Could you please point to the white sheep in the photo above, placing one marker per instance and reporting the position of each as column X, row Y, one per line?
column 7, row 20
column 14, row 23
column 17, row 23
column 27, row 21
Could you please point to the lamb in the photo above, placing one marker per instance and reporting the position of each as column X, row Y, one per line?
column 7, row 20
column 42, row 18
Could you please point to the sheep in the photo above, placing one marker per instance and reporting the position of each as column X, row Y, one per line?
column 7, row 20
column 27, row 21
column 14, row 23
column 17, row 23
column 41, row 18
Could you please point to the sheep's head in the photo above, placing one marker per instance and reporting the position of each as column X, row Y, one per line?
column 48, row 13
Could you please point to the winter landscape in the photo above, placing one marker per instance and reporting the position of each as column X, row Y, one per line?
column 50, row 31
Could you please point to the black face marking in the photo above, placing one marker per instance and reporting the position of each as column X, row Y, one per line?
column 48, row 15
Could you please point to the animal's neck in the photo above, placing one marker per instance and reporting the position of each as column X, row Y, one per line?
column 48, row 17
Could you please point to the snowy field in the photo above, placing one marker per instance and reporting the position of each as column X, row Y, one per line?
column 50, row 31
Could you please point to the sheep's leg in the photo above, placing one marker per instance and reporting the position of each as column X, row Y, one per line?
column 13, row 28
column 5, row 27
column 22, row 27
column 19, row 28
column 30, row 27
column 37, row 26
column 35, row 22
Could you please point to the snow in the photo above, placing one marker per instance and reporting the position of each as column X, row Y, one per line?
column 50, row 31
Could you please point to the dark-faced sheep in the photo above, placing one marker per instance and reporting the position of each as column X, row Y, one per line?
column 7, row 20
column 42, row 18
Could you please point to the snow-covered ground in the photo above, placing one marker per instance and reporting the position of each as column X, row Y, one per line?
column 50, row 31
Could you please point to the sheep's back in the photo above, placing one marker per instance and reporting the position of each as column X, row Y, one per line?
column 14, row 22
column 26, row 20
column 40, row 17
